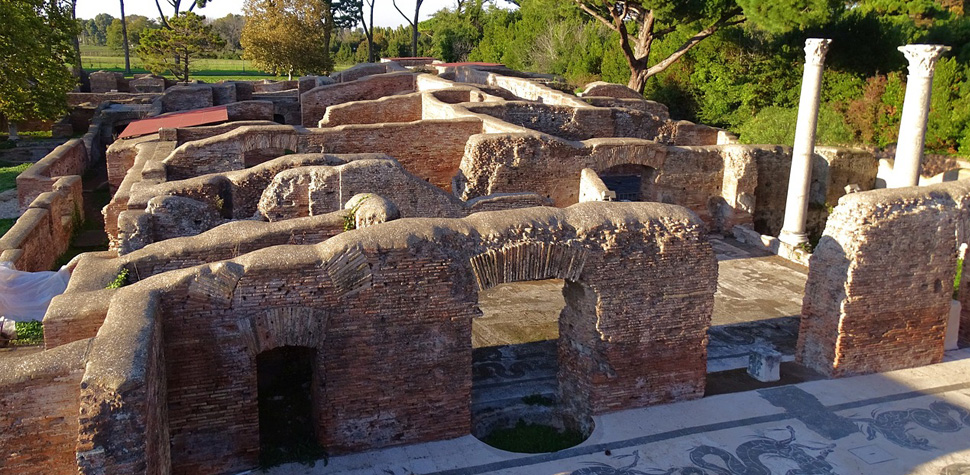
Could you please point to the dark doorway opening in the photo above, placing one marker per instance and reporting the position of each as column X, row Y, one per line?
column 285, row 391
column 630, row 182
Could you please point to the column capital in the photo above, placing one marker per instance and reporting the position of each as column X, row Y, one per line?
column 922, row 58
column 815, row 49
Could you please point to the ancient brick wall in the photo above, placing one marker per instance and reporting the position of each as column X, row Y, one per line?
column 314, row 102
column 402, row 108
column 187, row 97
column 71, row 158
column 183, row 135
column 688, row 176
column 39, row 394
column 519, row 87
column 123, row 411
column 879, row 284
column 310, row 191
column 74, row 316
column 43, row 231
column 433, row 149
column 360, row 299
column 228, row 151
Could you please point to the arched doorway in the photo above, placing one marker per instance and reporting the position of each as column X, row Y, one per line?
column 284, row 377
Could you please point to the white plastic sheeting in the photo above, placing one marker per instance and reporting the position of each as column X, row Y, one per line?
column 24, row 296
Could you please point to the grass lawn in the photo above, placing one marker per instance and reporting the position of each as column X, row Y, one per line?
column 96, row 58
column 8, row 174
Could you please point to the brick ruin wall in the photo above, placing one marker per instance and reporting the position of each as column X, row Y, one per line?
column 433, row 152
column 314, row 102
column 39, row 401
column 832, row 169
column 880, row 280
column 71, row 158
column 310, row 191
column 364, row 294
column 43, row 232
column 402, row 108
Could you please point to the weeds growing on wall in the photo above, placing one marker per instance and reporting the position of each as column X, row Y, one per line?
column 120, row 281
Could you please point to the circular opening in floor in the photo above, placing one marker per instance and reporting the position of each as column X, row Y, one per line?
column 532, row 425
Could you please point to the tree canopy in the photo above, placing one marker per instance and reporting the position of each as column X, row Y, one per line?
column 172, row 49
column 640, row 23
column 35, row 44
column 288, row 36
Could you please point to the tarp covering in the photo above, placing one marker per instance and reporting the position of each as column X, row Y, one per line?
column 207, row 115
column 24, row 296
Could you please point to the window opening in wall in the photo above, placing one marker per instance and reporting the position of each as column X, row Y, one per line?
column 285, row 393
column 515, row 388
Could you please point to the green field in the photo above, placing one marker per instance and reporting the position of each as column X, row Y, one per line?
column 97, row 58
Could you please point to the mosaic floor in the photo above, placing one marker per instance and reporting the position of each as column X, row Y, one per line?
column 904, row 422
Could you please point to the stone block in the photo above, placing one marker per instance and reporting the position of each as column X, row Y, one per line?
column 764, row 364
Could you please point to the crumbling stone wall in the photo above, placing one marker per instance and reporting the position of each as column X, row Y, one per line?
column 360, row 298
column 39, row 394
column 880, row 280
column 310, row 191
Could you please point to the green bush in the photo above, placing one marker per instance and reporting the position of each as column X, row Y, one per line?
column 29, row 333
column 776, row 125
column 120, row 281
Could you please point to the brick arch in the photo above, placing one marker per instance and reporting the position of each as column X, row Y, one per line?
column 527, row 261
column 284, row 326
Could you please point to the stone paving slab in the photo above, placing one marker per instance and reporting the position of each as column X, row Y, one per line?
column 913, row 421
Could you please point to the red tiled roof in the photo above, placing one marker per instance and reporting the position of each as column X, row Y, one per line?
column 208, row 115
column 408, row 57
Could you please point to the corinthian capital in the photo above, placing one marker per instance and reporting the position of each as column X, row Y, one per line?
column 922, row 58
column 815, row 49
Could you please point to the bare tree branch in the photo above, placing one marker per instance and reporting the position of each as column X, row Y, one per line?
column 394, row 2
column 694, row 40
column 596, row 15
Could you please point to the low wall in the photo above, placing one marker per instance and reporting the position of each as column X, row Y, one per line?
column 43, row 231
column 71, row 158
column 430, row 149
column 314, row 103
column 402, row 108
column 39, row 394
column 523, row 88
column 880, row 280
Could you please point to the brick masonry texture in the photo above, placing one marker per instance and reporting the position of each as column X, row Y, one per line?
column 370, row 355
column 880, row 281
column 233, row 235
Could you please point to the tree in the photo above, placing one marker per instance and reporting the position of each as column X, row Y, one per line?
column 136, row 25
column 348, row 13
column 35, row 44
column 177, row 8
column 171, row 50
column 291, row 36
column 124, row 38
column 413, row 23
column 229, row 28
column 641, row 23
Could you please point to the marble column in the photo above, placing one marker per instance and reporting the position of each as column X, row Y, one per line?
column 916, row 108
column 800, row 178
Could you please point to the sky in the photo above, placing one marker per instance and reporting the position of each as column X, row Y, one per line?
column 384, row 12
